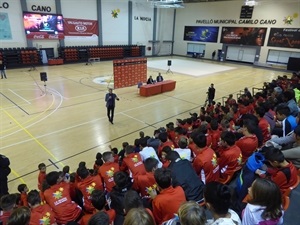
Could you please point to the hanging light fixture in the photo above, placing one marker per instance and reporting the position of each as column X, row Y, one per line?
column 166, row 3
column 250, row 2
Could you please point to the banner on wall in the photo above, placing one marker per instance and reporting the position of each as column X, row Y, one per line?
column 284, row 37
column 5, row 31
column 243, row 35
column 201, row 33
column 80, row 27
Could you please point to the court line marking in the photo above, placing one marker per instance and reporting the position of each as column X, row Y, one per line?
column 18, row 176
column 122, row 113
column 19, row 96
column 39, row 115
column 14, row 103
column 32, row 137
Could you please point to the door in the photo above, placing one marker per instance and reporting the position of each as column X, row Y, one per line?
column 241, row 54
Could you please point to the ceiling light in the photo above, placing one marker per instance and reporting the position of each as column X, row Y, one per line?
column 250, row 2
column 167, row 3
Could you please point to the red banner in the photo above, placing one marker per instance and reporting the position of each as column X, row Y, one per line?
column 42, row 35
column 79, row 27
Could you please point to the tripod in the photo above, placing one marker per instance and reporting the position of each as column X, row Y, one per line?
column 32, row 60
column 169, row 70
column 89, row 62
column 32, row 68
column 45, row 86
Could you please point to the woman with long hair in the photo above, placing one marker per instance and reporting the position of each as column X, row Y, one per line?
column 264, row 208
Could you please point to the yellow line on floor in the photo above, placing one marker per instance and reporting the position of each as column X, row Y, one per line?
column 34, row 138
column 18, row 176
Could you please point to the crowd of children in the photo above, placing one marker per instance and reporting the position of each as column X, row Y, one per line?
column 207, row 160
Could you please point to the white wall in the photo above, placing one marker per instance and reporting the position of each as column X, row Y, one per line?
column 142, row 24
column 81, row 10
column 115, row 30
column 16, row 25
column 266, row 10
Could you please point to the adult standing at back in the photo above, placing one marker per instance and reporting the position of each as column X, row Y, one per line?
column 110, row 99
column 211, row 93
column 2, row 70
column 4, row 172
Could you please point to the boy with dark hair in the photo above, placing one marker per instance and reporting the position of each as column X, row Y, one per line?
column 145, row 183
column 289, row 98
column 283, row 173
column 263, row 124
column 230, row 157
column 215, row 134
column 121, row 154
column 58, row 197
column 98, row 162
column 115, row 155
column 184, row 175
column 164, row 154
column 87, row 185
column 123, row 184
column 183, row 150
column 154, row 141
column 249, row 142
column 98, row 201
column 169, row 199
column 20, row 216
column 66, row 172
column 99, row 218
column 289, row 122
column 205, row 163
column 132, row 162
column 7, row 204
column 39, row 212
column 23, row 189
column 148, row 151
column 164, row 141
column 42, row 175
column 107, row 170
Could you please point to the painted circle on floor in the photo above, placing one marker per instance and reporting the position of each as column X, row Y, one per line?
column 104, row 80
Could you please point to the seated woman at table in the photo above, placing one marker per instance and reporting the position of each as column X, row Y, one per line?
column 150, row 80
column 159, row 78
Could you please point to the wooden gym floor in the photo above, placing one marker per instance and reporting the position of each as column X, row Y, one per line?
column 65, row 121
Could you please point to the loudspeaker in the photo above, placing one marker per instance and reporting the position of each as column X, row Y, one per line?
column 43, row 76
column 169, row 62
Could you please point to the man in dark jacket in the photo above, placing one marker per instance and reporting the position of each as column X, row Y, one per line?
column 211, row 93
column 185, row 176
column 110, row 99
column 2, row 70
column 4, row 172
column 117, row 195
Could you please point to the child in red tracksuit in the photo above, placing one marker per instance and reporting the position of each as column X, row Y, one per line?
column 23, row 189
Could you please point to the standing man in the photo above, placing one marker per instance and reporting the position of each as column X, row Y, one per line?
column 211, row 93
column 213, row 55
column 2, row 70
column 110, row 99
column 4, row 172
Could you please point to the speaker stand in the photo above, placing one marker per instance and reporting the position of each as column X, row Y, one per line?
column 169, row 70
column 32, row 68
column 45, row 87
column 89, row 62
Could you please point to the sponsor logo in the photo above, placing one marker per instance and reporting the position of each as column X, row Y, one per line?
column 80, row 28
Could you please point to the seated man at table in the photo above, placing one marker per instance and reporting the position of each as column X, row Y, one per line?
column 159, row 78
column 150, row 80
